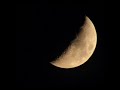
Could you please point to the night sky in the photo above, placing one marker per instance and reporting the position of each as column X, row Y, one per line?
column 43, row 32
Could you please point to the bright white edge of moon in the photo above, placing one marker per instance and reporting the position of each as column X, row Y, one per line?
column 80, row 49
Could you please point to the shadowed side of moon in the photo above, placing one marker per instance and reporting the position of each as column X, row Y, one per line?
column 80, row 49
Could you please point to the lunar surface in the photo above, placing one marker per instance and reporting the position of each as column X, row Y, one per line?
column 80, row 49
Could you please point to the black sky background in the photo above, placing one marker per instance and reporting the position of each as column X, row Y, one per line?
column 43, row 31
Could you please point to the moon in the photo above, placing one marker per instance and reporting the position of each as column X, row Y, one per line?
column 80, row 49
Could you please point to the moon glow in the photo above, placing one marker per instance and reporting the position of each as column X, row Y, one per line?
column 80, row 49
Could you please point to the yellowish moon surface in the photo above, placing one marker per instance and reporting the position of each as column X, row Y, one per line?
column 80, row 49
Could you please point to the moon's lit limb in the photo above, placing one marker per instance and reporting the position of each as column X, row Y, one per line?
column 80, row 49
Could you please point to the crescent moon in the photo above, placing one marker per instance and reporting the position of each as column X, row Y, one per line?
column 80, row 49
